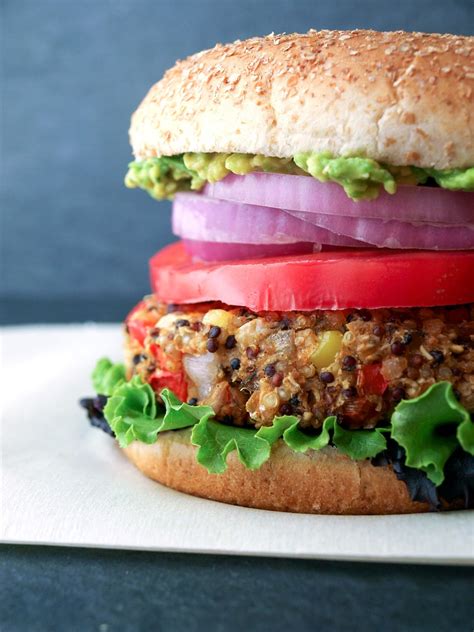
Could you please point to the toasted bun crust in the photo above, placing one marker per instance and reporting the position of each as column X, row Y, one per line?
column 323, row 482
column 400, row 98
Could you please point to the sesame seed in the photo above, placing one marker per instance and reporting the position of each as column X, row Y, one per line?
column 208, row 73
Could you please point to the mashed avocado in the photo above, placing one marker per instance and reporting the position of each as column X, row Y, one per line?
column 214, row 167
column 162, row 177
column 453, row 179
column 361, row 178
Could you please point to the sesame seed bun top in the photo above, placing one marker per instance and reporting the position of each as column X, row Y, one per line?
column 399, row 98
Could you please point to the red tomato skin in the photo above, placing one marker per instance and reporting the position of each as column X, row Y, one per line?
column 138, row 322
column 159, row 354
column 137, row 330
column 332, row 280
column 176, row 382
column 370, row 380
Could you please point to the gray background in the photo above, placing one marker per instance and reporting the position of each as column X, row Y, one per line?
column 72, row 72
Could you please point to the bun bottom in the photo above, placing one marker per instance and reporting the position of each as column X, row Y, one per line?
column 317, row 482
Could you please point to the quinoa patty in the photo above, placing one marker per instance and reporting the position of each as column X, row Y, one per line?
column 250, row 367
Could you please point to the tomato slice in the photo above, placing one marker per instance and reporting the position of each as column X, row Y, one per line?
column 338, row 279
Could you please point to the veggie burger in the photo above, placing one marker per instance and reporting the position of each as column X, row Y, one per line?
column 308, row 343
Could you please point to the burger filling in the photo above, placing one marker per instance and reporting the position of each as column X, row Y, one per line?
column 250, row 367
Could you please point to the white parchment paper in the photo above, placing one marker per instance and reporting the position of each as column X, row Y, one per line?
column 64, row 483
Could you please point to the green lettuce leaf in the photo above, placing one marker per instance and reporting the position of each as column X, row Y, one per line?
column 215, row 440
column 280, row 425
column 131, row 412
column 357, row 444
column 286, row 428
column 429, row 428
column 106, row 376
column 181, row 415
column 465, row 435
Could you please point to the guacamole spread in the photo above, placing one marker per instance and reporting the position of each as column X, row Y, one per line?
column 361, row 178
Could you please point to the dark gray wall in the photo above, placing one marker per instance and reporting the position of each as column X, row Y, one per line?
column 72, row 72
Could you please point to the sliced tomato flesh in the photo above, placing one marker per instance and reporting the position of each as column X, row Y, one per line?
column 139, row 321
column 176, row 382
column 371, row 380
column 339, row 279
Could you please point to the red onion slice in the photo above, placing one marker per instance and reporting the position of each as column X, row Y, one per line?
column 395, row 234
column 200, row 218
column 304, row 193
column 217, row 251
